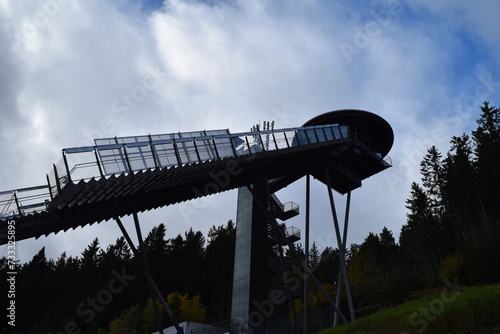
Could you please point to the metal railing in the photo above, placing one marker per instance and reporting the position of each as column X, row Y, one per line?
column 151, row 153
column 292, row 231
column 290, row 206
column 132, row 154
column 23, row 201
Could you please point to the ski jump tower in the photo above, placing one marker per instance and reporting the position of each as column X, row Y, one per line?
column 123, row 176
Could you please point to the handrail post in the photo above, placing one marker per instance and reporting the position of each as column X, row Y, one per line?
column 176, row 151
column 316, row 134
column 98, row 162
column 129, row 166
column 262, row 142
column 50, row 188
column 248, row 144
column 286, row 139
column 232, row 145
column 196, row 150
column 274, row 138
column 58, row 182
column 17, row 203
column 153, row 151
column 215, row 148
column 68, row 174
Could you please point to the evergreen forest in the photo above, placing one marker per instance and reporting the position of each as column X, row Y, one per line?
column 451, row 236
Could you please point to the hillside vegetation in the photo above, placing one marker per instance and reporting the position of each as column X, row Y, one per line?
column 473, row 310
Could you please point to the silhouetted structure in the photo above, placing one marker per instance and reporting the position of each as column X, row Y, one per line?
column 127, row 175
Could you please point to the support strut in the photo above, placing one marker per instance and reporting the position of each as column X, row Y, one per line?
column 306, row 260
column 344, row 243
column 340, row 243
column 144, row 267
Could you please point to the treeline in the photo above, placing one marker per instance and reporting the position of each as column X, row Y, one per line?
column 104, row 290
column 451, row 236
column 452, row 232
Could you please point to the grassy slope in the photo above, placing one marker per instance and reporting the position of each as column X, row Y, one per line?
column 473, row 310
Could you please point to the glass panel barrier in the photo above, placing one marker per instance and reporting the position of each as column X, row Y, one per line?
column 189, row 151
column 167, row 136
column 62, row 173
column 32, row 200
column 311, row 136
column 191, row 134
column 300, row 138
column 281, row 140
column 343, row 130
column 254, row 142
column 8, row 207
column 240, row 144
column 140, row 157
column 330, row 132
column 336, row 132
column 267, row 140
column 290, row 137
column 113, row 159
column 166, row 154
column 320, row 134
column 224, row 147
column 205, row 148
column 186, row 151
column 104, row 141
column 83, row 165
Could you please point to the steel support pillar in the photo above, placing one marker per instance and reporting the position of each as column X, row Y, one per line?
column 140, row 255
column 306, row 260
column 340, row 242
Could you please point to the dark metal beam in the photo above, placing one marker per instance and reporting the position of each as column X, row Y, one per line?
column 306, row 288
column 344, row 242
column 148, row 277
column 340, row 242
column 147, row 272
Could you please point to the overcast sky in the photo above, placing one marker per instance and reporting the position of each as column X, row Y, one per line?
column 71, row 71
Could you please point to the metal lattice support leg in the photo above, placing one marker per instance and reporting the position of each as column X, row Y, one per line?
column 306, row 261
column 344, row 243
column 144, row 267
column 340, row 243
column 142, row 252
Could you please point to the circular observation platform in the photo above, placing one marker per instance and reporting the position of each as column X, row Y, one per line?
column 371, row 126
